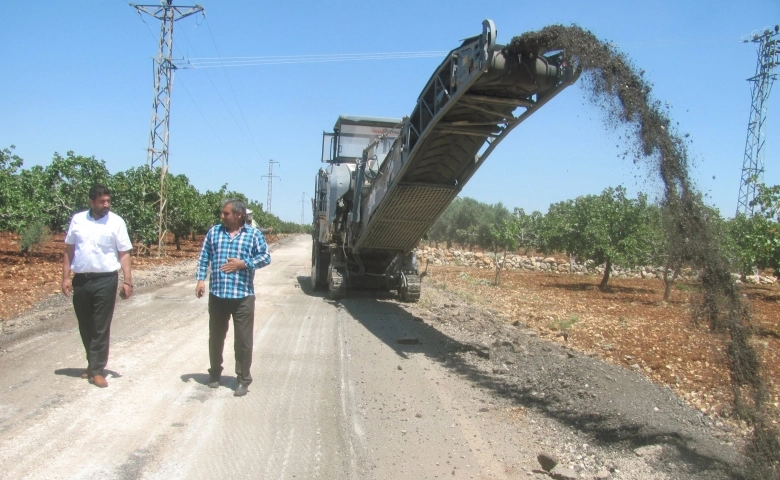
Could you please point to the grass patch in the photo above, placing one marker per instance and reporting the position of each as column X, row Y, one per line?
column 563, row 324
column 473, row 281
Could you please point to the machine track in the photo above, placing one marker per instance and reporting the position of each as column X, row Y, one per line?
column 411, row 291
column 336, row 286
column 320, row 261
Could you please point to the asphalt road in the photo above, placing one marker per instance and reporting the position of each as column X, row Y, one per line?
column 334, row 395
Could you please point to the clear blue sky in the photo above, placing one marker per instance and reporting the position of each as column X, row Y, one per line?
column 77, row 75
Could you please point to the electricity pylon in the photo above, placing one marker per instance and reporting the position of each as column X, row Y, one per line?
column 157, row 152
column 303, row 205
column 271, row 177
column 761, row 84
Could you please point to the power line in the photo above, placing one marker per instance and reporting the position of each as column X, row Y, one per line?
column 210, row 62
column 240, row 128
column 248, row 129
column 195, row 104
column 249, row 61
column 205, row 119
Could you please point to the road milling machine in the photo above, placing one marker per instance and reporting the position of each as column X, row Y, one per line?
column 388, row 180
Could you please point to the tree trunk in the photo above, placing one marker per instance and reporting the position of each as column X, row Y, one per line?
column 668, row 282
column 177, row 241
column 605, row 279
column 499, row 267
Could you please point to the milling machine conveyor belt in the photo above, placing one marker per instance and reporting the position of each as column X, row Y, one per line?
column 466, row 106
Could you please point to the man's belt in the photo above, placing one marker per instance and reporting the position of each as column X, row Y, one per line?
column 94, row 274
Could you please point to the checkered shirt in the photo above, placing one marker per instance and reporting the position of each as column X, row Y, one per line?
column 248, row 245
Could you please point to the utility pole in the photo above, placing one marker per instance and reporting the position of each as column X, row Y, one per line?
column 157, row 152
column 768, row 47
column 303, row 205
column 271, row 177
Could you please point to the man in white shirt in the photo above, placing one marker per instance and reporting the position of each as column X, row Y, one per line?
column 96, row 247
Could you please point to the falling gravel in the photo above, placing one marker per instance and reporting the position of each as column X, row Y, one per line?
column 620, row 91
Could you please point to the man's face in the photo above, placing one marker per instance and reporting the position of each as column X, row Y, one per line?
column 229, row 219
column 100, row 206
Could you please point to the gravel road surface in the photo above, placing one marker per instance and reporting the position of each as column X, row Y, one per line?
column 335, row 396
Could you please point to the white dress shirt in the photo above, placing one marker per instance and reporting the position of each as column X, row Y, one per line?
column 97, row 242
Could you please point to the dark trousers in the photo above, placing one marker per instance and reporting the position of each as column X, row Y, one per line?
column 94, row 298
column 243, row 312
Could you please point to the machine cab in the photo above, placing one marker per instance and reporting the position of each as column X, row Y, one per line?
column 351, row 135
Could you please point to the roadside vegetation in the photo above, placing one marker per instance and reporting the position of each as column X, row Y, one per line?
column 613, row 229
column 38, row 201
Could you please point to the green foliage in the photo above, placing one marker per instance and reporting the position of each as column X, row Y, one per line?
column 504, row 237
column 186, row 212
column 609, row 228
column 13, row 204
column 469, row 223
column 563, row 324
column 135, row 196
column 51, row 196
column 557, row 231
column 69, row 179
column 33, row 234
column 527, row 229
column 755, row 243
column 768, row 201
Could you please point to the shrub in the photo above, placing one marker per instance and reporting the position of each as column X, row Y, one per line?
column 34, row 234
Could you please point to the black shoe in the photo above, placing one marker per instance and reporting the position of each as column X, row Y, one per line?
column 213, row 382
column 241, row 390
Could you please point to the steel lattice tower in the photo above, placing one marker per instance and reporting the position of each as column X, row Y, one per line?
column 157, row 152
column 271, row 177
column 761, row 84
column 303, row 205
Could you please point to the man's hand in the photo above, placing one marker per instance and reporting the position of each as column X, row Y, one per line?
column 233, row 265
column 127, row 291
column 67, row 287
column 200, row 288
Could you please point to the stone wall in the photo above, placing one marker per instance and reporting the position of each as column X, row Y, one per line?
column 552, row 264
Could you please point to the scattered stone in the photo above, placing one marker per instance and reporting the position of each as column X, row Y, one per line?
column 602, row 475
column 399, row 367
column 408, row 341
column 563, row 473
column 547, row 461
column 649, row 451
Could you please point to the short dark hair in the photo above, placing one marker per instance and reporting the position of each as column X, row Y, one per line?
column 98, row 191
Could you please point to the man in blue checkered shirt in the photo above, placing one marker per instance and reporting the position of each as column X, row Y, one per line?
column 234, row 250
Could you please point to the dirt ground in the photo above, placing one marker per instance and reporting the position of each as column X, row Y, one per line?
column 628, row 325
column 28, row 278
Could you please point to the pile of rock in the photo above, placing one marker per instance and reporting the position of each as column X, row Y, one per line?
column 551, row 264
